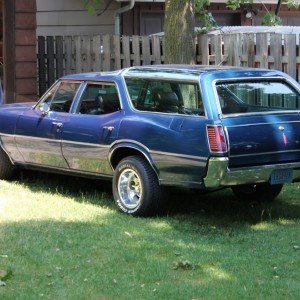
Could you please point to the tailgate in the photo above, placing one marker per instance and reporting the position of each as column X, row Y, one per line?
column 263, row 140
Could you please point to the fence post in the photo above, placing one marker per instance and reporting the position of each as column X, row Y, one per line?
column 69, row 55
column 136, row 51
column 203, row 49
column 232, row 49
column 107, row 65
column 276, row 51
column 146, row 50
column 262, row 50
column 50, row 60
column 290, row 54
column 59, row 48
column 248, row 49
column 42, row 65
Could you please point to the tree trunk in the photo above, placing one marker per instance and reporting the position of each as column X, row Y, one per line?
column 179, row 32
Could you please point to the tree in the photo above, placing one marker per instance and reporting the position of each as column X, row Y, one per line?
column 180, row 23
column 179, row 31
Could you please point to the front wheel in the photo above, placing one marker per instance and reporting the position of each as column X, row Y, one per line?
column 135, row 187
column 6, row 167
column 264, row 192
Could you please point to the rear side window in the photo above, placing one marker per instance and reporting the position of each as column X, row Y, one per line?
column 165, row 96
column 99, row 99
column 257, row 96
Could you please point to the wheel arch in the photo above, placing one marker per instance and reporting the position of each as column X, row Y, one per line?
column 122, row 150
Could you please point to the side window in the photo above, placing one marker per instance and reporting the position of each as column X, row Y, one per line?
column 61, row 97
column 99, row 99
column 165, row 96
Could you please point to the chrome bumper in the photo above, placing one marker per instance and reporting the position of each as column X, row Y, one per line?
column 219, row 175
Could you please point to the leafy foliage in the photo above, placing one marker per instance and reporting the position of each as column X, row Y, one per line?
column 270, row 19
column 92, row 5
column 236, row 4
column 206, row 18
column 292, row 3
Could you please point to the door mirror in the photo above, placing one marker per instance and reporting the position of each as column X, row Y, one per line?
column 44, row 108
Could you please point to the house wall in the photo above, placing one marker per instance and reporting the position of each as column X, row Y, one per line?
column 19, row 51
column 25, row 51
column 147, row 17
column 69, row 17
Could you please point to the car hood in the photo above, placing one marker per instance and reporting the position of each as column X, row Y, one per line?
column 17, row 106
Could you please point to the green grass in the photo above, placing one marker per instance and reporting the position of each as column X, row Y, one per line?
column 62, row 238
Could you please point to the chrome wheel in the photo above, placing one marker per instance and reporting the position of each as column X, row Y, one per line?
column 130, row 188
column 136, row 188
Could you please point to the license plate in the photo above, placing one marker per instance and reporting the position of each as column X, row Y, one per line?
column 282, row 176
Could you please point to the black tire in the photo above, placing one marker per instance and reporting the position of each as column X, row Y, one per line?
column 135, row 187
column 263, row 192
column 6, row 167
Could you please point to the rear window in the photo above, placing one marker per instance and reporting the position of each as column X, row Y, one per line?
column 256, row 96
column 164, row 96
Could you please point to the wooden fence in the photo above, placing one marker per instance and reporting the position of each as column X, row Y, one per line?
column 61, row 55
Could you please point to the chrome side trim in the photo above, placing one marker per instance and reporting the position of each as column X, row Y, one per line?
column 36, row 138
column 55, row 140
column 265, row 153
column 177, row 155
column 266, row 123
column 85, row 144
column 219, row 175
column 106, row 146
column 124, row 141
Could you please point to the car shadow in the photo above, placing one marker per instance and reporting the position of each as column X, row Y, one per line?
column 225, row 205
column 220, row 205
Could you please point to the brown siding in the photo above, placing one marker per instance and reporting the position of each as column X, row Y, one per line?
column 25, row 70
column 25, row 43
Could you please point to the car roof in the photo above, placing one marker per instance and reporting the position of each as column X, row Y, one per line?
column 187, row 72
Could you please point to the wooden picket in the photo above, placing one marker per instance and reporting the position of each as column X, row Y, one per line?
column 60, row 55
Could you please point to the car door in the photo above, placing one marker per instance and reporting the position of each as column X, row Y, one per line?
column 92, row 128
column 38, row 132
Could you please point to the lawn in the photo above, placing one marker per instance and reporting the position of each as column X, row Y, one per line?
column 62, row 238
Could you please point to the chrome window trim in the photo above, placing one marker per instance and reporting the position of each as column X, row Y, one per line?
column 83, row 87
column 238, row 79
column 196, row 81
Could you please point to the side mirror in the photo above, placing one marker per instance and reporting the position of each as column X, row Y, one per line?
column 44, row 108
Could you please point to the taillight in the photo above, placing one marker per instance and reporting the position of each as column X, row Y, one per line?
column 216, row 139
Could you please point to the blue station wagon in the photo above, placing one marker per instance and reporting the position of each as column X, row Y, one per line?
column 146, row 128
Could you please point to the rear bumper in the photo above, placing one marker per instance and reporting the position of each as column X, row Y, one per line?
column 219, row 175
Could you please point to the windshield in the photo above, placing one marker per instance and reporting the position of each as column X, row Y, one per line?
column 257, row 96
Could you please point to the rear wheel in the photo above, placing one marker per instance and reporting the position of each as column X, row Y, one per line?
column 6, row 167
column 135, row 187
column 264, row 192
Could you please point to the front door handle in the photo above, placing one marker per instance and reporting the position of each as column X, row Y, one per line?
column 58, row 124
column 109, row 128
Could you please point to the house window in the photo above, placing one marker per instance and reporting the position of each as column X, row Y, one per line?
column 151, row 23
